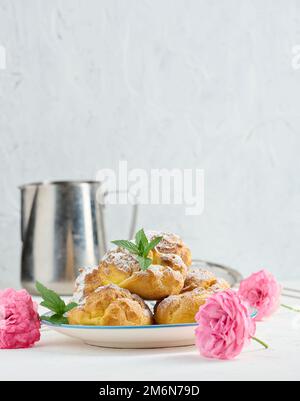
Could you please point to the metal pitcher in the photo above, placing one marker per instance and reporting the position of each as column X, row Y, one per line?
column 63, row 229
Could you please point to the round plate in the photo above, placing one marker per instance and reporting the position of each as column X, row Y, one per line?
column 155, row 336
column 160, row 336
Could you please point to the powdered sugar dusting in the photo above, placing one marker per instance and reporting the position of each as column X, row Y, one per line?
column 155, row 269
column 177, row 298
column 170, row 237
column 221, row 285
column 122, row 259
column 169, row 240
column 176, row 259
column 199, row 291
column 78, row 295
column 169, row 300
column 201, row 275
column 110, row 286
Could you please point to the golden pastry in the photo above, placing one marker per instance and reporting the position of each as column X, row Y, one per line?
column 197, row 278
column 170, row 244
column 158, row 281
column 87, row 281
column 116, row 266
column 111, row 306
column 180, row 308
column 120, row 267
column 220, row 285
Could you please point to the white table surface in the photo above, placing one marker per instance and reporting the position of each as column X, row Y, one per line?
column 57, row 357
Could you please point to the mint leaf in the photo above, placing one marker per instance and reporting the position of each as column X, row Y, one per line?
column 49, row 306
column 141, row 248
column 55, row 319
column 151, row 246
column 141, row 240
column 52, row 301
column 67, row 308
column 144, row 262
column 130, row 246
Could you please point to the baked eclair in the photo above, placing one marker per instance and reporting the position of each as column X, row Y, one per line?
column 182, row 308
column 158, row 281
column 220, row 285
column 111, row 306
column 87, row 282
column 116, row 265
column 170, row 244
column 198, row 278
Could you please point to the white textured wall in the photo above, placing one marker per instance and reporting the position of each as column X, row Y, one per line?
column 161, row 83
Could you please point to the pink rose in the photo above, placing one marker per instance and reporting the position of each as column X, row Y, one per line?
column 19, row 320
column 262, row 292
column 225, row 326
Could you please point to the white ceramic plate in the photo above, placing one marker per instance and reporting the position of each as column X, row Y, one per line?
column 161, row 336
column 156, row 336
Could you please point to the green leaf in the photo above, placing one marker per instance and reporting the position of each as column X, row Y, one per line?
column 144, row 262
column 52, row 300
column 49, row 306
column 70, row 306
column 141, row 240
column 55, row 319
column 151, row 246
column 141, row 248
column 130, row 246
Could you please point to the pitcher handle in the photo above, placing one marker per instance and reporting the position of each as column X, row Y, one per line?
column 134, row 216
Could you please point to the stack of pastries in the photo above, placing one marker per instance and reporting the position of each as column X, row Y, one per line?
column 116, row 292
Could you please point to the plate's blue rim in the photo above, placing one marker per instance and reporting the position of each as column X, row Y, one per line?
column 152, row 326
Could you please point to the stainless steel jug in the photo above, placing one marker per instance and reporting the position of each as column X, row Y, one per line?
column 63, row 229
